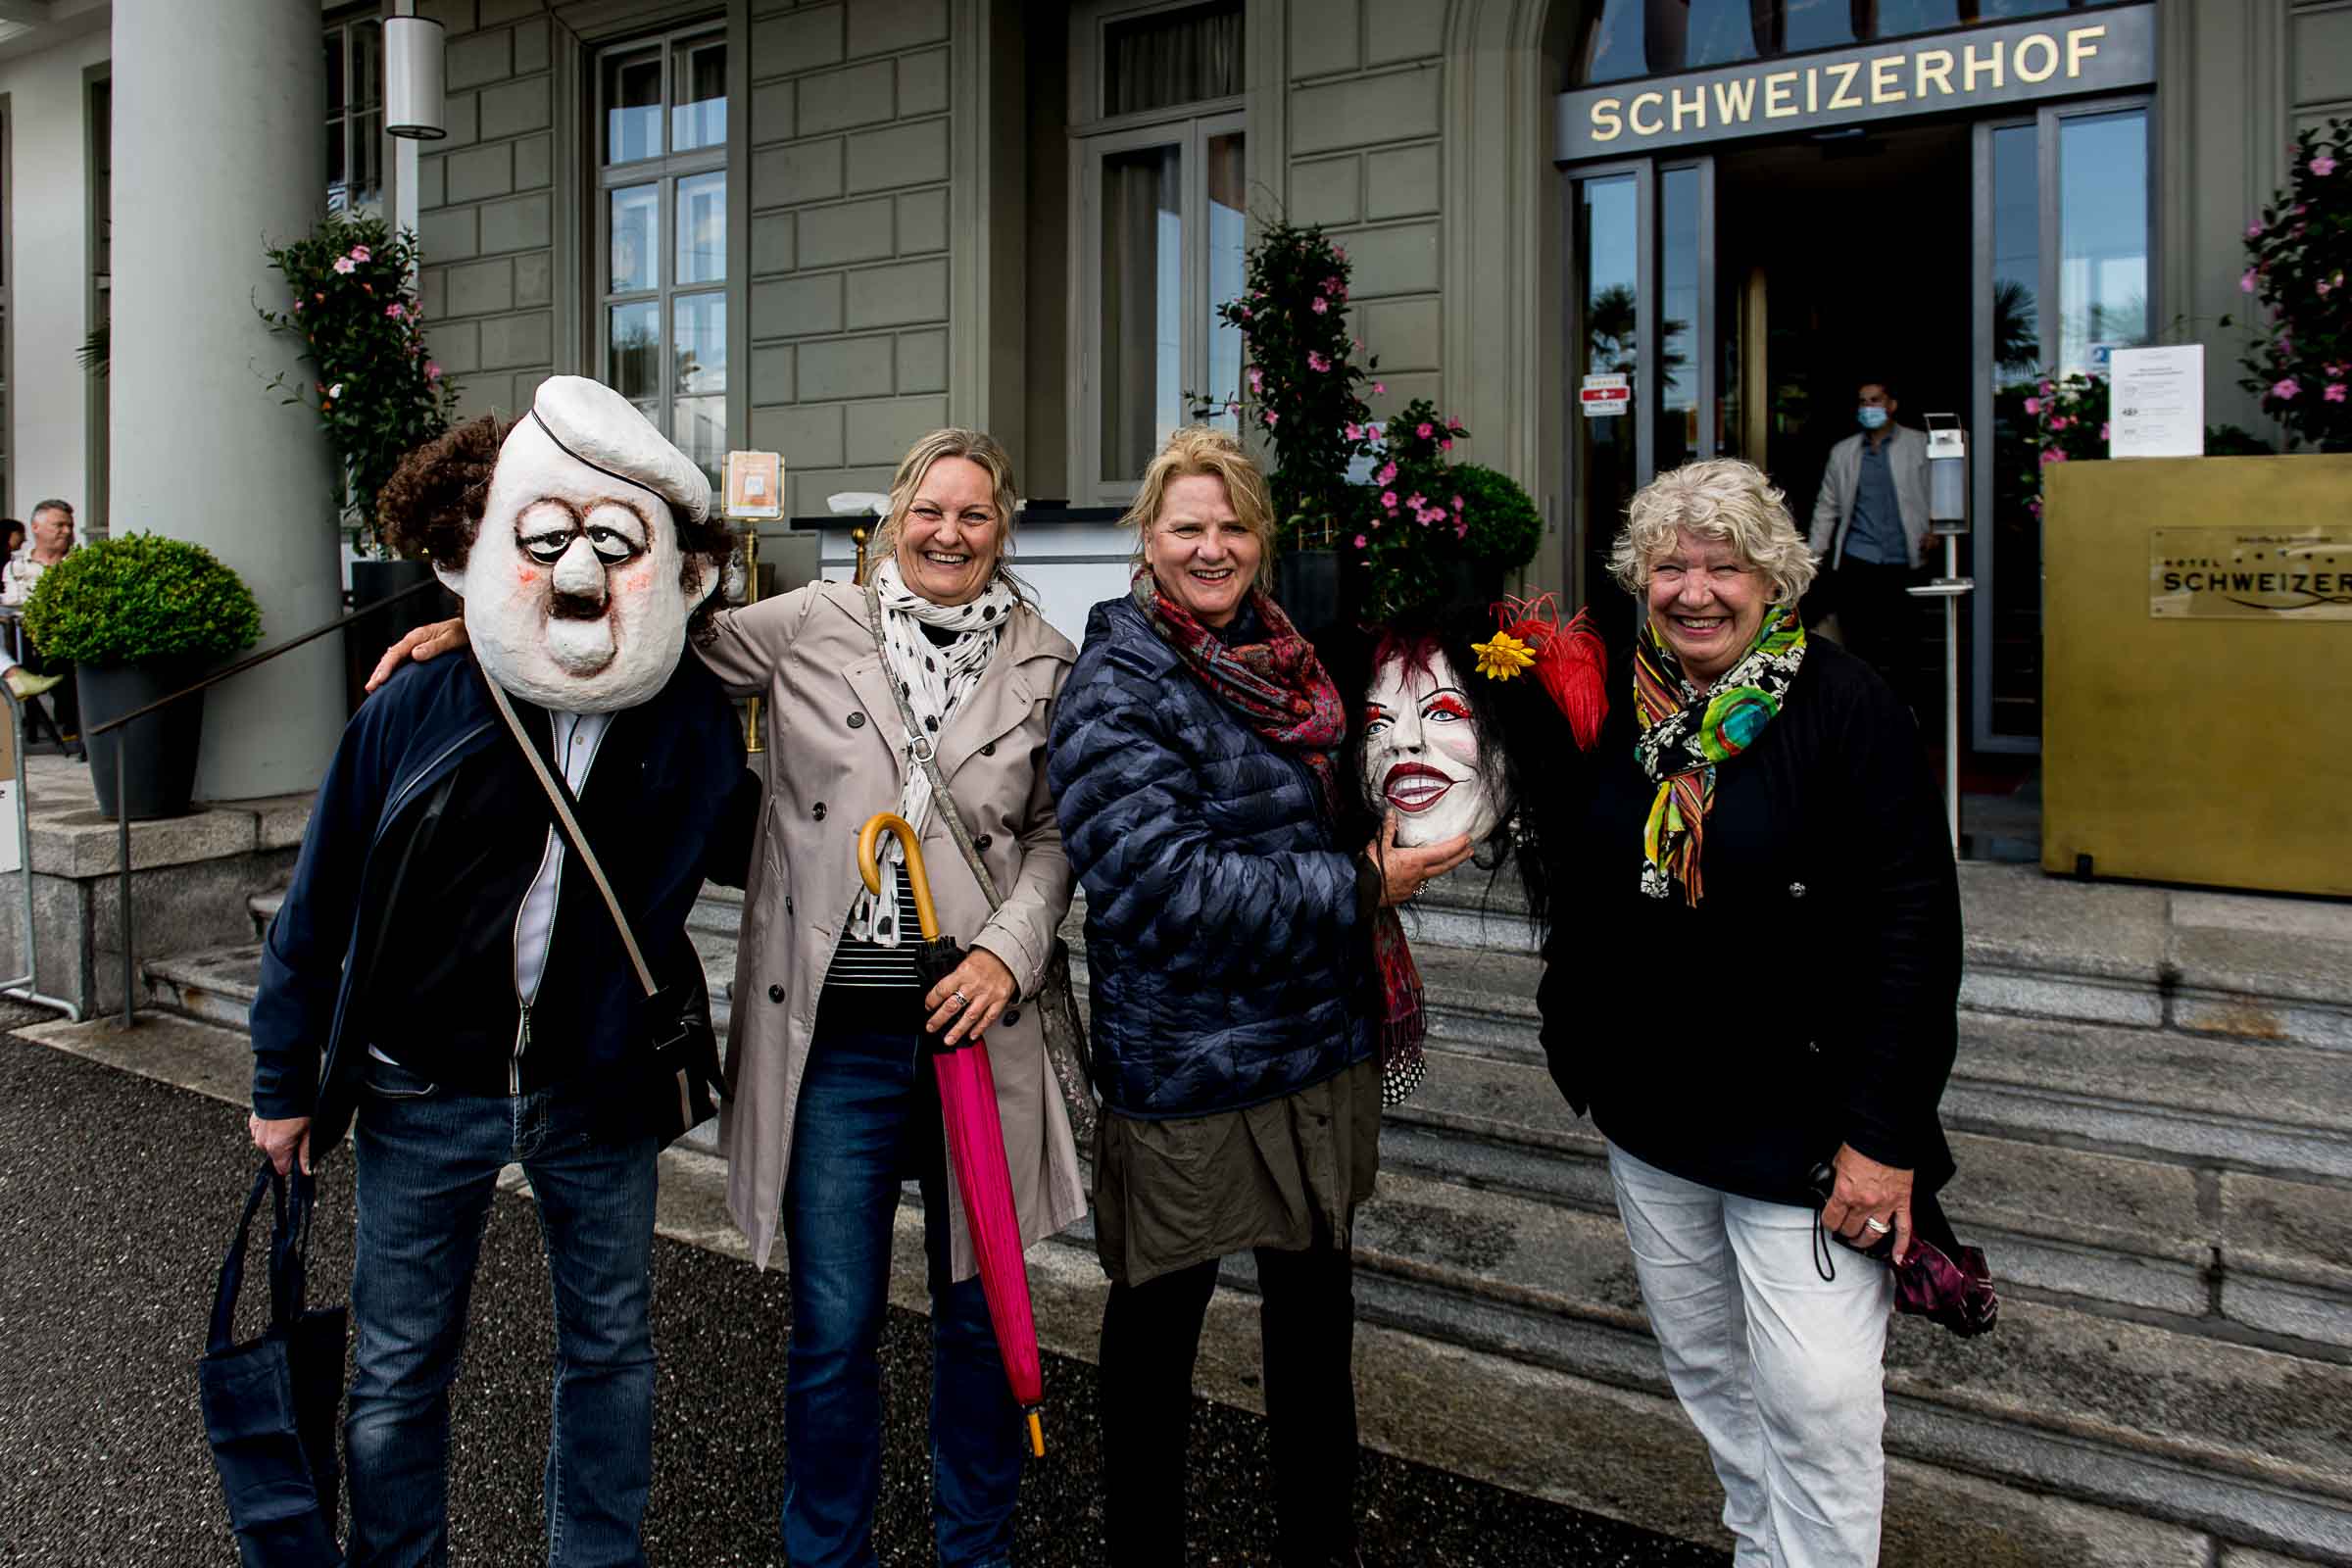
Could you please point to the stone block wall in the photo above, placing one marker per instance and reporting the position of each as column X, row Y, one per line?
column 486, row 208
column 1364, row 118
column 847, row 181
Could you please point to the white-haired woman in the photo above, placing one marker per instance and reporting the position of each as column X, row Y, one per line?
column 1761, row 982
column 832, row 1107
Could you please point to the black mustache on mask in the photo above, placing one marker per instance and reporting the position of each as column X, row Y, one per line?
column 574, row 607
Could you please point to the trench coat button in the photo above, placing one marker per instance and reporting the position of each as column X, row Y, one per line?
column 775, row 992
column 857, row 721
column 980, row 843
column 788, row 908
column 818, row 812
column 988, row 750
column 1012, row 1015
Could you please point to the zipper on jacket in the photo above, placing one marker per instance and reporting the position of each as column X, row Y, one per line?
column 522, row 1043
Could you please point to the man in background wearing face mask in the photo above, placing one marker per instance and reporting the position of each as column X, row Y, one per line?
column 1870, row 526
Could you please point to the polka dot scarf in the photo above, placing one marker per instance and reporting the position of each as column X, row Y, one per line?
column 937, row 681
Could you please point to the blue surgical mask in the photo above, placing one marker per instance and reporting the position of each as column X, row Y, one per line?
column 1871, row 418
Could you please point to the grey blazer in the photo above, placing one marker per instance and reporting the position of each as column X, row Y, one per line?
column 1833, row 511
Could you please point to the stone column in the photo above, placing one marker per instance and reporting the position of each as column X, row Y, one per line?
column 218, row 148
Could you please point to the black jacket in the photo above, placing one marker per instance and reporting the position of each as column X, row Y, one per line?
column 394, row 767
column 1809, row 999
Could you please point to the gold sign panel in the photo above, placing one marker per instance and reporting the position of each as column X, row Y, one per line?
column 2251, row 574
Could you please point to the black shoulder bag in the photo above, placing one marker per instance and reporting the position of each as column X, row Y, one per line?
column 681, row 1085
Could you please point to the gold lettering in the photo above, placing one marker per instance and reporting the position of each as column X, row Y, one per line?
column 2081, row 44
column 1812, row 89
column 1935, row 64
column 1605, row 113
column 1842, row 96
column 1970, row 63
column 1883, row 86
column 1778, row 104
column 1697, row 107
column 1735, row 101
column 2049, row 56
column 1633, row 114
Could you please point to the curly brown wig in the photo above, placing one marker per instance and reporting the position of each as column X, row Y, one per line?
column 432, row 507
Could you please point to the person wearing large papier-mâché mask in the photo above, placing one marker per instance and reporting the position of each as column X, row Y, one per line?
column 576, row 591
column 1422, row 750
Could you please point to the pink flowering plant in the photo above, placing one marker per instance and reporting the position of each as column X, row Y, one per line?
column 2299, row 270
column 1302, row 387
column 1414, row 519
column 2063, row 420
column 378, row 396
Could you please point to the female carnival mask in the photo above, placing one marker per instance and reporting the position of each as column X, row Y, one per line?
column 577, row 588
column 1422, row 749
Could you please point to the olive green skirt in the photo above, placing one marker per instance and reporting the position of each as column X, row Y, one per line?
column 1287, row 1174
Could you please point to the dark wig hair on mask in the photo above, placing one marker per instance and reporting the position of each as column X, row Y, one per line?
column 1526, row 754
column 432, row 506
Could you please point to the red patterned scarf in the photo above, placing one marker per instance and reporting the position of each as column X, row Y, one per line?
column 1281, row 691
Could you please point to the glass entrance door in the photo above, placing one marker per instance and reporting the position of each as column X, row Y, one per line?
column 2064, row 274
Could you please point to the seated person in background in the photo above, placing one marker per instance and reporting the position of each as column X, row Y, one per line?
column 52, row 542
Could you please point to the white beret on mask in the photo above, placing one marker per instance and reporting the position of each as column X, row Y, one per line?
column 576, row 589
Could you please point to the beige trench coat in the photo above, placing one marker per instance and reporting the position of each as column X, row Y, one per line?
column 837, row 754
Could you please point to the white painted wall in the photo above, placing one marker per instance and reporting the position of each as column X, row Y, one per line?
column 49, row 271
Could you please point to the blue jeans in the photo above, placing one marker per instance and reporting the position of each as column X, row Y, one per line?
column 427, row 1165
column 868, row 1117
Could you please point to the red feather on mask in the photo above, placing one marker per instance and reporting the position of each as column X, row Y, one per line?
column 1570, row 662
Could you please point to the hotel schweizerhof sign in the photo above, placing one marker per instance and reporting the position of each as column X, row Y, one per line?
column 2062, row 56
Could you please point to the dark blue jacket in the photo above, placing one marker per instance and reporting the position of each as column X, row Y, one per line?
column 404, row 743
column 1230, row 963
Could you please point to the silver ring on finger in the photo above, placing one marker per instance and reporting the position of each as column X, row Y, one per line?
column 959, row 998
column 1876, row 1226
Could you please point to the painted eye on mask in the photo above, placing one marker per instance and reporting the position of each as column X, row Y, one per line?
column 611, row 546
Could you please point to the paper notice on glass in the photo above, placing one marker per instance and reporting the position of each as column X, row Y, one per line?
column 2156, row 402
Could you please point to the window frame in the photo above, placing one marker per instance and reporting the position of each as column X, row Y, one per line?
column 340, row 28
column 665, row 171
column 1188, row 126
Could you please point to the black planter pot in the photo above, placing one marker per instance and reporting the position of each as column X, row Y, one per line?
column 158, row 752
column 366, row 639
column 1312, row 588
column 1469, row 584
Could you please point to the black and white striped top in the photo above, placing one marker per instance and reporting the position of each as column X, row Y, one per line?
column 870, row 966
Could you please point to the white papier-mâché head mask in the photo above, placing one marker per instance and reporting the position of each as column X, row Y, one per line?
column 576, row 589
column 1421, row 751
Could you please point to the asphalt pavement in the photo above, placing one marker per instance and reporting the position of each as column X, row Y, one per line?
column 115, row 1196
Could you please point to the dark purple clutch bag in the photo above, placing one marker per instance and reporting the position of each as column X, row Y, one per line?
column 1939, row 1279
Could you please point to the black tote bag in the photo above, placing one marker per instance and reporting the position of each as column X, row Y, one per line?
column 271, row 1403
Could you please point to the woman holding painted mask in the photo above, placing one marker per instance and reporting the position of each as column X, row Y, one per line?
column 1761, row 982
column 1237, row 1002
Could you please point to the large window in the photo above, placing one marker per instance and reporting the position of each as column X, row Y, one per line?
column 1617, row 39
column 661, row 231
column 1162, row 173
column 355, row 115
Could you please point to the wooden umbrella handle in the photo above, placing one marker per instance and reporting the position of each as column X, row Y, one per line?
column 869, row 838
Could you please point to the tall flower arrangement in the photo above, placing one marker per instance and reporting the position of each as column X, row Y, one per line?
column 2299, row 270
column 1417, row 517
column 2066, row 421
column 377, row 396
column 1304, row 386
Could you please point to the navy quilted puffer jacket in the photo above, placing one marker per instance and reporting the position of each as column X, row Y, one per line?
column 1229, row 962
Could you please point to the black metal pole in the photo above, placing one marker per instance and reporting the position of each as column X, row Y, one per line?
column 122, row 849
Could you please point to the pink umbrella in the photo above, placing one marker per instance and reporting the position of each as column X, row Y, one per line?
column 968, row 1099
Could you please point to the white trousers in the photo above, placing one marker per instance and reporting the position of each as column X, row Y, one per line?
column 1779, row 1369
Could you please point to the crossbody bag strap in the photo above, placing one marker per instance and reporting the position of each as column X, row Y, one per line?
column 560, row 798
column 922, row 750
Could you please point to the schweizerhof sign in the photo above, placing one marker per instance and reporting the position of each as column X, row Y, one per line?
column 2061, row 56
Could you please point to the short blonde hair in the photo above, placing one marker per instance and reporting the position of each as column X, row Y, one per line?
column 1200, row 450
column 974, row 446
column 1719, row 498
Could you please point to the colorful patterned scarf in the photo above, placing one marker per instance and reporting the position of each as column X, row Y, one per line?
column 1281, row 691
column 1684, row 736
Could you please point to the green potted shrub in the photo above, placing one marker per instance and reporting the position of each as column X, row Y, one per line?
column 141, row 615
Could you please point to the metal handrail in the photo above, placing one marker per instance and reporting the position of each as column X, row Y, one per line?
column 123, row 774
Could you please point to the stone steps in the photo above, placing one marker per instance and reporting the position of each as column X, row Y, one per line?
column 2168, row 1207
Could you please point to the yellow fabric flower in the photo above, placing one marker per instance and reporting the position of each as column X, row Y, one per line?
column 1503, row 655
